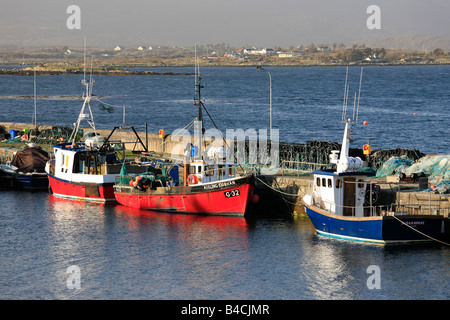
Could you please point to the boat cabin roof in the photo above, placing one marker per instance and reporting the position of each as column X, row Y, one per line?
column 211, row 163
column 68, row 146
column 332, row 172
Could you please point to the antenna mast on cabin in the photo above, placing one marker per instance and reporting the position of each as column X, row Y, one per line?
column 87, row 116
column 354, row 118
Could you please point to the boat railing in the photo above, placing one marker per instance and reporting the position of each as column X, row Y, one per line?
column 217, row 174
column 383, row 209
column 290, row 167
column 125, row 180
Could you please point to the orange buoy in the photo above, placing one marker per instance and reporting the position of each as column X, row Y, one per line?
column 365, row 123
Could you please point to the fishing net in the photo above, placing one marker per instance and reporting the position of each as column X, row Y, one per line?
column 394, row 165
column 436, row 168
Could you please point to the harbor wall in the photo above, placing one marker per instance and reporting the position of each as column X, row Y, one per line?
column 168, row 145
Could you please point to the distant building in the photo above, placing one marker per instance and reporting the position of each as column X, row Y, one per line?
column 140, row 48
column 251, row 51
column 372, row 59
column 117, row 48
column 323, row 48
column 267, row 51
column 256, row 51
column 285, row 55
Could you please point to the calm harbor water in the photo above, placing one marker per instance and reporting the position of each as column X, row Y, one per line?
column 404, row 106
column 122, row 253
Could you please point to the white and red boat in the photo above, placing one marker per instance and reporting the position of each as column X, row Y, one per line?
column 211, row 185
column 86, row 170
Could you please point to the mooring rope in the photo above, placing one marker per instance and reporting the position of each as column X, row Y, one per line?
column 277, row 190
column 425, row 235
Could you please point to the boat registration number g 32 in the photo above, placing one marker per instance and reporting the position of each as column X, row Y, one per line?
column 232, row 193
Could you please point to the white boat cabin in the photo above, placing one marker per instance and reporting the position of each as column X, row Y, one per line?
column 340, row 193
column 213, row 169
column 210, row 171
column 78, row 164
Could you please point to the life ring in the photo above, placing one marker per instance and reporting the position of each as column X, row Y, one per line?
column 192, row 179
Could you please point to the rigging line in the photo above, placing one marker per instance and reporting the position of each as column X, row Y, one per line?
column 190, row 124
column 447, row 244
column 235, row 158
column 108, row 104
column 277, row 190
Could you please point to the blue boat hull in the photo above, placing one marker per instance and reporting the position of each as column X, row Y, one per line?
column 382, row 229
column 31, row 181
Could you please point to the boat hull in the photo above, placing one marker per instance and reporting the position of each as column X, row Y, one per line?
column 228, row 198
column 380, row 229
column 100, row 192
column 31, row 181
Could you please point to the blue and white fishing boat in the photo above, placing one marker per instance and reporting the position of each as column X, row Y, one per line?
column 340, row 204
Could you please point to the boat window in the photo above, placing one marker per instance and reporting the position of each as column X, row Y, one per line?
column 191, row 170
column 230, row 171
column 324, row 182
column 318, row 182
column 338, row 183
column 360, row 183
column 221, row 170
column 209, row 170
column 330, row 185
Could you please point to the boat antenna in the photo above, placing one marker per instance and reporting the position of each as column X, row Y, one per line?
column 84, row 61
column 354, row 119
column 344, row 103
column 35, row 116
column 359, row 94
column 87, row 99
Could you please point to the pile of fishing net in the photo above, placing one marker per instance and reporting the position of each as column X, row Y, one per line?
column 436, row 168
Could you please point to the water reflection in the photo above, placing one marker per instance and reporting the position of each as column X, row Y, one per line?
column 125, row 253
column 204, row 251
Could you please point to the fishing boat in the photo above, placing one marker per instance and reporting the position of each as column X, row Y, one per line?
column 86, row 170
column 211, row 185
column 26, row 169
column 341, row 204
column 28, row 166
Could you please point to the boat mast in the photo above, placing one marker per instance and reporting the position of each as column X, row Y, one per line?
column 198, row 87
column 87, row 99
column 345, row 163
column 35, row 118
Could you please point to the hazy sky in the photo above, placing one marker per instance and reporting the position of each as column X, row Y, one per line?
column 265, row 23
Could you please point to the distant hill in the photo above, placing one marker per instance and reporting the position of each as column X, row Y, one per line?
column 409, row 42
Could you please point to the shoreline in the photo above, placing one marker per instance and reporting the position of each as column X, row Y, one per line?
column 121, row 72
